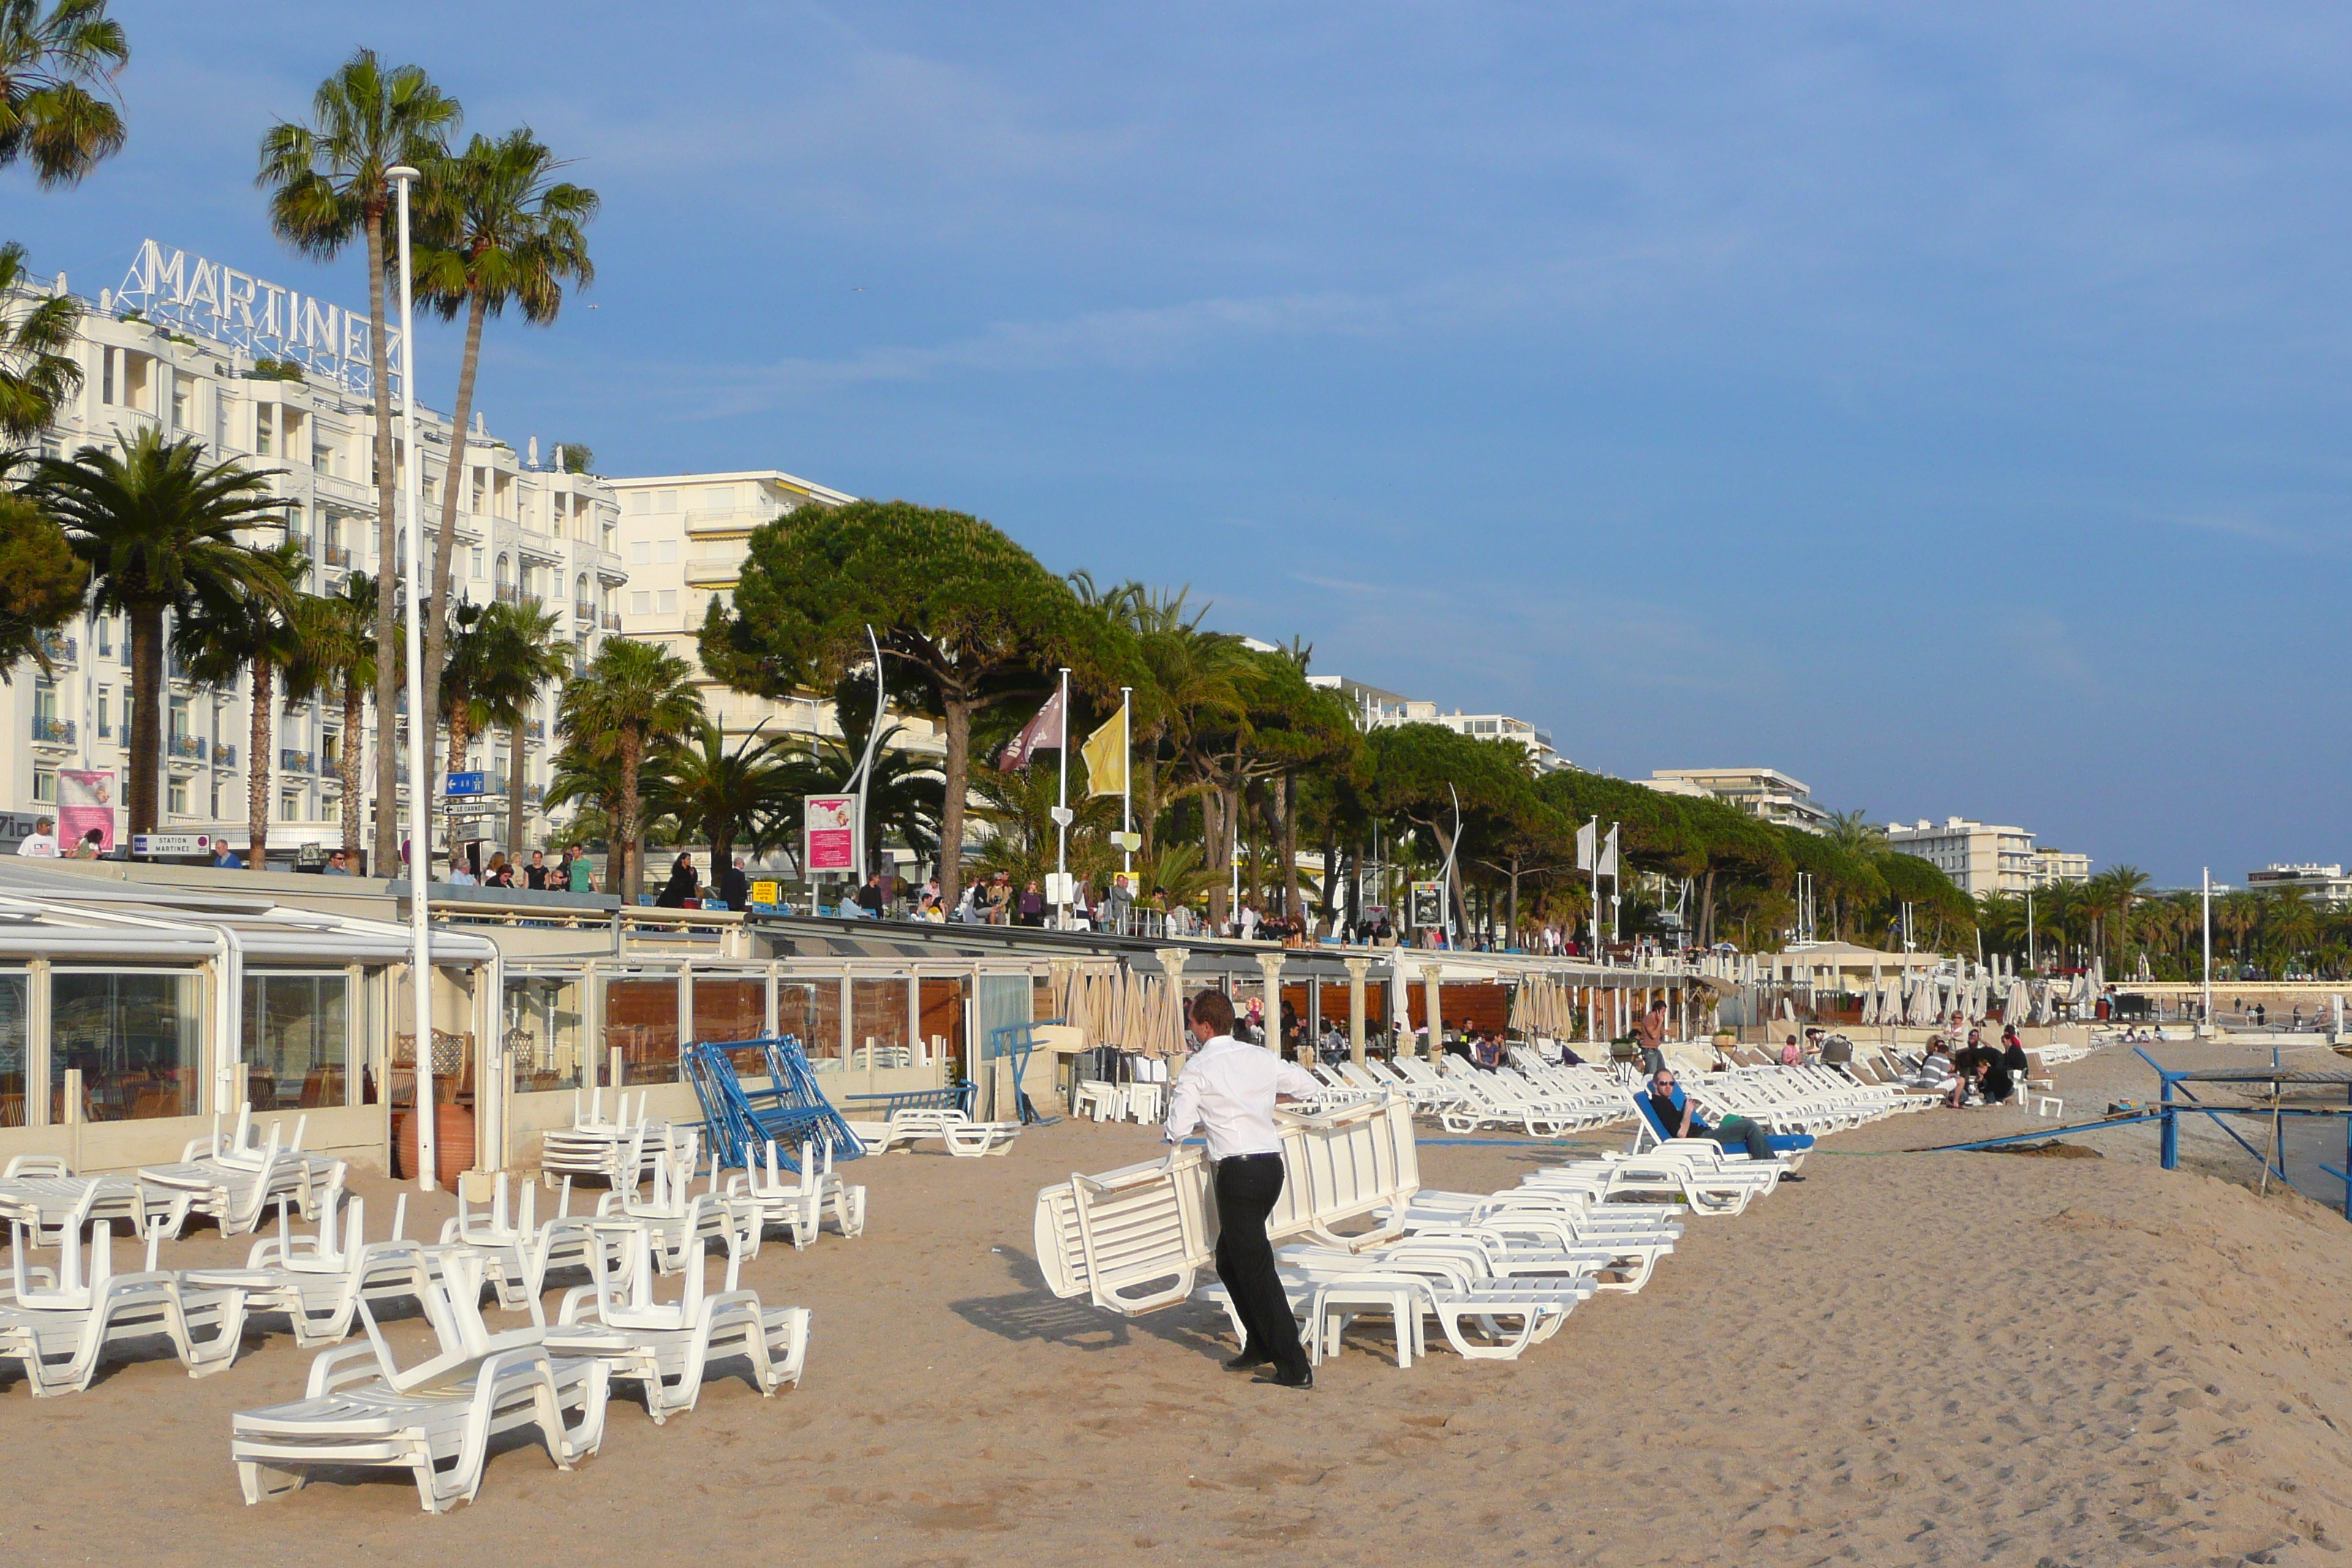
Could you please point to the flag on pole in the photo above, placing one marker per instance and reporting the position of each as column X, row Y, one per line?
column 1106, row 754
column 1609, row 854
column 1584, row 835
column 1045, row 730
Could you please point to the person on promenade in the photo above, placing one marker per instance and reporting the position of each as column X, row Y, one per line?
column 1650, row 1030
column 1681, row 1120
column 734, row 885
column 681, row 886
column 583, row 875
column 1229, row 1091
column 41, row 843
column 534, row 875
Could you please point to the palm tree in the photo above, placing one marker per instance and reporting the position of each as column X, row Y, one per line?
column 593, row 779
column 159, row 529
column 37, row 370
column 635, row 697
column 49, row 115
column 2238, row 913
column 499, row 229
column 1853, row 832
column 326, row 184
column 522, row 653
column 725, row 796
column 337, row 660
column 2114, row 891
column 253, row 625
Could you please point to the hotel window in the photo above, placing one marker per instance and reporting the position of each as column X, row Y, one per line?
column 265, row 428
column 641, row 552
column 667, row 501
column 178, row 803
column 639, row 503
column 290, row 809
column 477, row 505
column 105, row 714
column 668, row 607
column 45, row 789
column 640, row 604
column 477, row 563
column 45, row 703
column 666, row 551
column 179, row 404
column 298, row 1041
column 106, row 376
column 136, row 1038
column 503, row 562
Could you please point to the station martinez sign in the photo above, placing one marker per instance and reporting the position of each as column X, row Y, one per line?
column 239, row 311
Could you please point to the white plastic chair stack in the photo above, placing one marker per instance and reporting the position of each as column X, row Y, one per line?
column 56, row 1328
column 317, row 1283
column 664, row 1347
column 798, row 1200
column 517, row 1251
column 436, row 1420
column 39, row 1192
column 236, row 1180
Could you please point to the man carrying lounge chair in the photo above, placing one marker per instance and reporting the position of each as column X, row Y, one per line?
column 1681, row 1120
column 1228, row 1091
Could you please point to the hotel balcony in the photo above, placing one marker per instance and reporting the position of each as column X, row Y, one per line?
column 740, row 520
column 719, row 574
column 612, row 620
column 225, row 756
column 534, row 729
column 186, row 748
column 294, row 762
column 581, row 612
column 53, row 731
column 62, row 650
column 338, row 555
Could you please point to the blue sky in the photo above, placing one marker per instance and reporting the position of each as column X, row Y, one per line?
column 1945, row 404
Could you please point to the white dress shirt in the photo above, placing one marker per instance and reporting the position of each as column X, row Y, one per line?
column 1227, row 1091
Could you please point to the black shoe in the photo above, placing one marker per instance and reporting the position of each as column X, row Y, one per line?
column 1248, row 1361
column 1790, row 1176
column 1303, row 1378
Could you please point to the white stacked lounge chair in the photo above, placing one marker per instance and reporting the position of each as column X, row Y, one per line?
column 517, row 1250
column 40, row 1192
column 664, row 1347
column 437, row 1419
column 673, row 1214
column 797, row 1201
column 236, row 1180
column 58, row 1327
column 962, row 1137
column 619, row 1150
column 318, row 1282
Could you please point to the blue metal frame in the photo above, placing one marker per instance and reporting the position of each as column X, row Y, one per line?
column 1020, row 1047
column 2170, row 1156
column 957, row 1096
column 738, row 1123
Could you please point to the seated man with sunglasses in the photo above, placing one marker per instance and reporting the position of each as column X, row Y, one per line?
column 1679, row 1119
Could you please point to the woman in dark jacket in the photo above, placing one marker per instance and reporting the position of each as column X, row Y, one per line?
column 681, row 886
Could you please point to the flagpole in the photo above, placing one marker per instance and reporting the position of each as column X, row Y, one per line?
column 1595, row 868
column 2208, row 1019
column 1126, row 780
column 1062, row 813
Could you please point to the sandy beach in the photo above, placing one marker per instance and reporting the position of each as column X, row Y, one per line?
column 1906, row 1359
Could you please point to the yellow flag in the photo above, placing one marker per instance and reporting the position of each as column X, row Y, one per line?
column 1106, row 754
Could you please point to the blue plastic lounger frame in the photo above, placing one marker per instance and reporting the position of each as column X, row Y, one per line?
column 739, row 1122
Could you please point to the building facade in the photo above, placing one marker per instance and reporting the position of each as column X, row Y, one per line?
column 1765, row 793
column 1376, row 708
column 524, row 531
column 2321, row 884
column 683, row 539
column 1981, row 858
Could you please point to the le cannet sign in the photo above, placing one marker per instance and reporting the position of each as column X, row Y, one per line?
column 264, row 319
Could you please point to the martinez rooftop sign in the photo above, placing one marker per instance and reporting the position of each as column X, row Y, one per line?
column 241, row 311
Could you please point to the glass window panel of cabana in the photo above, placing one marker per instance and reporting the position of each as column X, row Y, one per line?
column 641, row 1022
column 298, row 1039
column 135, row 1036
column 15, row 1059
column 545, row 1031
column 810, row 1011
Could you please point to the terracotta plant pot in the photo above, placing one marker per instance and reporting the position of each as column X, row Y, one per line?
column 452, row 1142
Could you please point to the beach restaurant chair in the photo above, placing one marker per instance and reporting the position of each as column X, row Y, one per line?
column 57, row 1327
column 437, row 1419
column 664, row 1347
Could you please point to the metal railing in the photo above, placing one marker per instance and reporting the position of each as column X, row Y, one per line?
column 224, row 756
column 61, row 649
column 294, row 762
column 612, row 620
column 53, row 731
column 338, row 554
column 187, row 748
column 534, row 729
column 584, row 612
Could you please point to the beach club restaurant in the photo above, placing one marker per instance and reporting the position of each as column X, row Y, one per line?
column 138, row 1003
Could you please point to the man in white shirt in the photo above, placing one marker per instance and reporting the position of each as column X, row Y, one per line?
column 41, row 843
column 1228, row 1091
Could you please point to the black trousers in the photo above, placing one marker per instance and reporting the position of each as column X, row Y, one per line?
column 1247, row 1187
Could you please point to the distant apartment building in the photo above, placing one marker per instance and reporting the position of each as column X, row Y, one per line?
column 1765, row 793
column 1377, row 709
column 1981, row 858
column 2323, row 884
column 689, row 534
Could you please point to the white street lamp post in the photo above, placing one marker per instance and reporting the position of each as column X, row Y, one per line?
column 420, row 746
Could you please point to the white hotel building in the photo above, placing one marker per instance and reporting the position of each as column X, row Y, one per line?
column 1980, row 857
column 522, row 530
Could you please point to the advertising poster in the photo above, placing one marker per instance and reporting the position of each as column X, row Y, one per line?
column 829, row 835
column 1429, row 906
column 85, row 800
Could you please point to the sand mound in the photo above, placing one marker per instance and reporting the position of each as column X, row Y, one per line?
column 1909, row 1359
